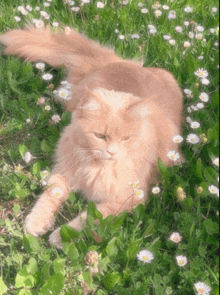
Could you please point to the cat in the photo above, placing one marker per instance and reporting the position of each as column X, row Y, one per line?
column 124, row 117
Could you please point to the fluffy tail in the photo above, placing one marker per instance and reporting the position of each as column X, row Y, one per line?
column 80, row 55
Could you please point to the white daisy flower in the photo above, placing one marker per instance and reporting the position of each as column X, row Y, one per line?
column 55, row 24
column 187, row 44
column 37, row 8
column 144, row 10
column 121, row 37
column 199, row 36
column 156, row 190
column 17, row 18
column 67, row 30
column 135, row 36
column 41, row 100
column 40, row 66
column 153, row 31
column 156, row 5
column 28, row 120
column 175, row 237
column 188, row 9
column 166, row 7
column 189, row 120
column 46, row 4
column 181, row 260
column 216, row 162
column 18, row 168
column 76, row 9
column 145, row 256
column 140, row 4
column 193, row 138
column 166, row 37
column 20, row 8
column 205, row 81
column 200, row 105
column 100, row 5
column 214, row 9
column 47, row 108
column 214, row 190
column 44, row 173
column 158, row 13
column 56, row 118
column 45, row 14
column 24, row 12
column 177, row 139
column 47, row 77
column 191, row 35
column 139, row 193
column 172, row 14
column 186, row 23
column 57, row 192
column 201, row 73
column 172, row 42
column 216, row 44
column 27, row 157
column 202, row 288
column 188, row 93
column 201, row 57
column 116, row 31
column 195, row 125
column 179, row 29
column 200, row 28
column 39, row 24
column 64, row 93
column 28, row 7
column 204, row 97
column 212, row 31
column 173, row 155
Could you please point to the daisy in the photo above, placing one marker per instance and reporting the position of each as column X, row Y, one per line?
column 47, row 77
column 200, row 28
column 46, row 4
column 205, row 81
column 166, row 7
column 39, row 24
column 41, row 100
column 158, row 13
column 201, row 73
column 18, row 168
column 55, row 24
column 56, row 118
column 193, row 138
column 47, row 108
column 121, row 37
column 156, row 190
column 24, row 12
column 202, row 288
column 181, row 260
column 195, row 125
column 214, row 190
column 216, row 162
column 17, row 18
column 214, row 9
column 189, row 120
column 188, row 93
column 186, row 23
column 191, row 35
column 188, row 9
column 212, row 31
column 64, row 93
column 37, row 8
column 166, row 37
column 28, row 7
column 134, row 184
column 28, row 120
column 27, row 157
column 156, row 5
column 179, row 29
column 200, row 105
column 172, row 155
column 175, row 237
column 44, row 173
column 20, row 8
column 40, row 66
column 200, row 57
column 116, row 31
column 204, row 97
column 187, row 44
column 135, row 36
column 145, row 256
column 75, row 9
column 139, row 193
column 100, row 5
column 172, row 14
column 140, row 4
column 144, row 10
column 172, row 42
column 199, row 36
column 57, row 192
column 177, row 139
column 67, row 30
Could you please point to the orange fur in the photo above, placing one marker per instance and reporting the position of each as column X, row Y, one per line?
column 124, row 117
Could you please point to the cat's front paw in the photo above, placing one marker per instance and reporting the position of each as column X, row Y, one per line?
column 38, row 224
column 55, row 239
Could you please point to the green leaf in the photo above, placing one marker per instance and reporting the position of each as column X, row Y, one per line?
column 22, row 150
column 36, row 168
column 68, row 233
column 117, row 222
column 45, row 147
column 3, row 287
column 32, row 267
column 199, row 168
column 87, row 277
column 132, row 250
column 163, row 169
column 71, row 251
column 191, row 63
column 215, row 98
column 210, row 174
column 59, row 266
column 211, row 227
column 111, row 279
column 53, row 285
column 24, row 279
column 24, row 292
column 112, row 249
column 149, row 230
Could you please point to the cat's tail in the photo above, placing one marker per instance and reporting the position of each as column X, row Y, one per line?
column 80, row 55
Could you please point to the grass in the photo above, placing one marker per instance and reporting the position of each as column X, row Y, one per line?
column 28, row 265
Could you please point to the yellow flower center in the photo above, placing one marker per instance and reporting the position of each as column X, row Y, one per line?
column 176, row 239
column 201, row 290
column 145, row 257
column 181, row 262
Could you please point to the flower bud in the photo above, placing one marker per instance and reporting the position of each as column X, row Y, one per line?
column 92, row 258
column 199, row 190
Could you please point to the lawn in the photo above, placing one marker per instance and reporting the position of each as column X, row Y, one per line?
column 178, row 227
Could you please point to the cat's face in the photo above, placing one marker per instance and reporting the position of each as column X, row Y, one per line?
column 110, row 128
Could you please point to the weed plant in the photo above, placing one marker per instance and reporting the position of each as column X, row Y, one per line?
column 181, row 217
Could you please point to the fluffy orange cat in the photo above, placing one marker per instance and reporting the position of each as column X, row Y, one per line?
column 124, row 117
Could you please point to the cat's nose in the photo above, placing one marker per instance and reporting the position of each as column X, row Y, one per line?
column 112, row 149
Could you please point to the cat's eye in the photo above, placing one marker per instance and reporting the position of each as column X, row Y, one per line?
column 125, row 137
column 100, row 136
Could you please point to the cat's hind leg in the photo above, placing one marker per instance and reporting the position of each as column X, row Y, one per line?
column 42, row 218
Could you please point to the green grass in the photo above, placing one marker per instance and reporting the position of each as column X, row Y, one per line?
column 28, row 265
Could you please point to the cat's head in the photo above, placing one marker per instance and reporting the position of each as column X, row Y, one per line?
column 111, row 124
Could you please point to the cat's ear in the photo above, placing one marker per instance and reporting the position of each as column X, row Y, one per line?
column 141, row 109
